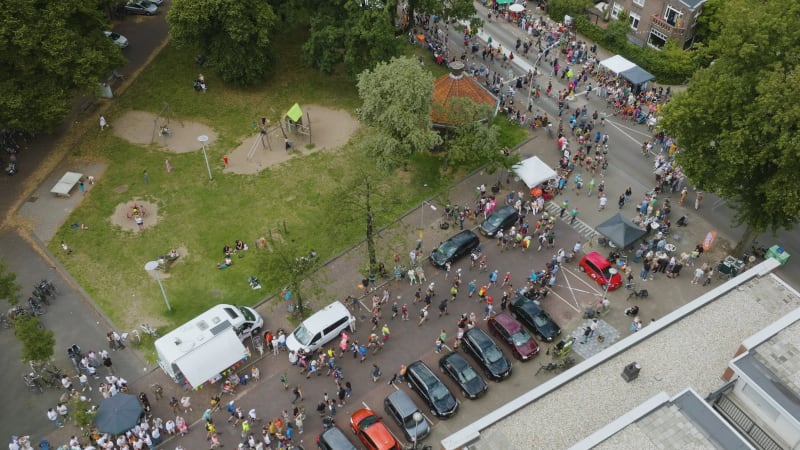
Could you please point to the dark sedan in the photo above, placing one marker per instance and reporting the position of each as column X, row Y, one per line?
column 535, row 318
column 499, row 220
column 470, row 383
column 435, row 393
column 454, row 248
column 483, row 348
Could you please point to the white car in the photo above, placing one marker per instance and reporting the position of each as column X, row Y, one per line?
column 118, row 39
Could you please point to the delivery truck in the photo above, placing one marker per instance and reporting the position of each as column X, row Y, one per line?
column 201, row 350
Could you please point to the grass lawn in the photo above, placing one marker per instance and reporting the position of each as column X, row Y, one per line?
column 305, row 196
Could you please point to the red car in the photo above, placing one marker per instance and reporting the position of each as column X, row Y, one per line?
column 599, row 268
column 372, row 431
column 515, row 335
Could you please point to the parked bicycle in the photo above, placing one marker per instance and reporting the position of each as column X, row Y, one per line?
column 33, row 382
column 148, row 330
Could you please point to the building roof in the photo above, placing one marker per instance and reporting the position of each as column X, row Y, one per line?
column 775, row 366
column 456, row 84
column 689, row 348
column 692, row 4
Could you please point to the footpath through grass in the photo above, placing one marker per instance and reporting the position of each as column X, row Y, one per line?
column 304, row 195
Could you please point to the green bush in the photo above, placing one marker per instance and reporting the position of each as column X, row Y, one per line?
column 672, row 65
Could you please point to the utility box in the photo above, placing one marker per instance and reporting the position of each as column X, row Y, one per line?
column 777, row 252
column 631, row 372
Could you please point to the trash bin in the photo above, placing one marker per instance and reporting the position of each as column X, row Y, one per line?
column 777, row 252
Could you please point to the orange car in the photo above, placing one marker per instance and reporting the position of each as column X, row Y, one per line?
column 372, row 431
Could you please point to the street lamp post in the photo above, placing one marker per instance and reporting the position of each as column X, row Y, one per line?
column 417, row 416
column 203, row 139
column 612, row 271
column 422, row 222
column 152, row 266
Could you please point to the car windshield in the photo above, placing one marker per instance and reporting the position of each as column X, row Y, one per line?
column 520, row 338
column 540, row 320
column 439, row 392
column 607, row 273
column 467, row 374
column 448, row 248
column 367, row 422
column 114, row 36
column 494, row 220
column 247, row 314
column 493, row 354
column 302, row 335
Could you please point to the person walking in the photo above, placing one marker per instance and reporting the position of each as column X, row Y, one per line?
column 298, row 394
column 586, row 332
column 376, row 373
column 423, row 315
column 52, row 416
column 684, row 194
column 697, row 199
column 574, row 214
column 603, row 201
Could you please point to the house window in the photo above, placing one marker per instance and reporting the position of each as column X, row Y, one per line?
column 639, row 3
column 673, row 16
column 657, row 39
column 634, row 18
column 616, row 10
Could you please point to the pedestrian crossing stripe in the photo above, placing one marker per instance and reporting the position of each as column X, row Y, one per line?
column 580, row 226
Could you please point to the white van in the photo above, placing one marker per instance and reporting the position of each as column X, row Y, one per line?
column 204, row 347
column 321, row 328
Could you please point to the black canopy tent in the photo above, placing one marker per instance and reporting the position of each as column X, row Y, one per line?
column 636, row 75
column 621, row 231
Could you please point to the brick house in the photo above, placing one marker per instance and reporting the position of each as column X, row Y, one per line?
column 653, row 22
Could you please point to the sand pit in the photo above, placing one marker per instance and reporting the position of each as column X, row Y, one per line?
column 137, row 127
column 124, row 215
column 330, row 129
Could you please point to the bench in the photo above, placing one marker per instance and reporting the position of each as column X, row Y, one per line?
column 66, row 183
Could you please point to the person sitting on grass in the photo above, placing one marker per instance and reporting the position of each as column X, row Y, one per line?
column 239, row 245
column 227, row 250
column 225, row 264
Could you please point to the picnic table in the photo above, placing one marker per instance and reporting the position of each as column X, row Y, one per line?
column 66, row 183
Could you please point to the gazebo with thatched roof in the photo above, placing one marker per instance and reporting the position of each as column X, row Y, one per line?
column 456, row 84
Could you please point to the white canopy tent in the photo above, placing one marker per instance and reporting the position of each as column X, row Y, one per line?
column 617, row 64
column 533, row 171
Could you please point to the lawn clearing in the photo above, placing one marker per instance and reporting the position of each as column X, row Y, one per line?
column 299, row 199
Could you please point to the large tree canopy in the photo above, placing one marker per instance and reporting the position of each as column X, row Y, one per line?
column 358, row 34
column 473, row 139
column 49, row 51
column 738, row 120
column 233, row 34
column 397, row 100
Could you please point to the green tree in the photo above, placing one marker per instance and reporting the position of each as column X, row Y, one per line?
column 286, row 257
column 397, row 101
column 37, row 342
column 350, row 32
column 233, row 34
column 738, row 120
column 472, row 141
column 51, row 52
column 9, row 289
column 557, row 9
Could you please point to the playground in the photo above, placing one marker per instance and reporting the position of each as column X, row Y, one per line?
column 327, row 129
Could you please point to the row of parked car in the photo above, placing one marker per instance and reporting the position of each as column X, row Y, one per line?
column 437, row 396
column 517, row 328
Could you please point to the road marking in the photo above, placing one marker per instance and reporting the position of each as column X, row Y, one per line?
column 366, row 405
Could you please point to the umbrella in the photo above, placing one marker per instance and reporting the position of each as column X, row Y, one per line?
column 118, row 414
column 516, row 7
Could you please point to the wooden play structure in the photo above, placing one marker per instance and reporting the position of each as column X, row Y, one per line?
column 295, row 123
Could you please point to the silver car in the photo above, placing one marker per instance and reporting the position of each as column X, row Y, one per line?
column 141, row 7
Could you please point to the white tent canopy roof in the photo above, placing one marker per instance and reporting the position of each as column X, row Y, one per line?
column 617, row 64
column 533, row 171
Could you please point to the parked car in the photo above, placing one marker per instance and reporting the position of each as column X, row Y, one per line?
column 515, row 335
column 535, row 318
column 454, row 248
column 483, row 348
column 435, row 393
column 499, row 220
column 118, row 39
column 156, row 2
column 599, row 268
column 399, row 406
column 334, row 439
column 465, row 376
column 372, row 432
column 141, row 7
